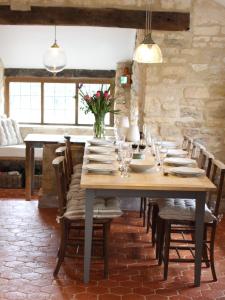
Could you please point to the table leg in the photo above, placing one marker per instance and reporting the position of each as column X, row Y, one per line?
column 199, row 223
column 32, row 166
column 88, row 233
column 28, row 171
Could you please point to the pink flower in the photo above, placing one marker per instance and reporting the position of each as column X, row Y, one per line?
column 98, row 94
column 106, row 94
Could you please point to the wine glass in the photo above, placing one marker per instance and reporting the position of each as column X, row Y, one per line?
column 126, row 155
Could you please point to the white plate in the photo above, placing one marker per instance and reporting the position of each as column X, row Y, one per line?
column 101, row 158
column 179, row 161
column 186, row 171
column 169, row 144
column 177, row 152
column 139, row 165
column 100, row 142
column 100, row 168
column 101, row 150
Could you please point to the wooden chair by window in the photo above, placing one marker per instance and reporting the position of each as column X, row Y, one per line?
column 177, row 217
column 72, row 214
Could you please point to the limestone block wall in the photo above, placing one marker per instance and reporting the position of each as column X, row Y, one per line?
column 186, row 94
column 1, row 87
column 122, row 94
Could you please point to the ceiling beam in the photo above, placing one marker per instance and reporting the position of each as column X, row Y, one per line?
column 67, row 73
column 20, row 5
column 172, row 21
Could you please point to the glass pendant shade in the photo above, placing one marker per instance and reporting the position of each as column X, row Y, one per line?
column 54, row 59
column 148, row 52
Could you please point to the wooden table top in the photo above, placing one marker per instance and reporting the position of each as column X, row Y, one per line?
column 152, row 180
column 54, row 138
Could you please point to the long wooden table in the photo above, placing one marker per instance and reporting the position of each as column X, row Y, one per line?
column 38, row 140
column 153, row 185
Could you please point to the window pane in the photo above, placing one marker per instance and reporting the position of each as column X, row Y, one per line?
column 59, row 103
column 25, row 101
column 90, row 89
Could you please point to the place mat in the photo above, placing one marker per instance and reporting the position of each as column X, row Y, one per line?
column 100, row 168
column 179, row 161
column 187, row 171
column 169, row 144
column 176, row 152
column 100, row 142
column 101, row 158
column 101, row 150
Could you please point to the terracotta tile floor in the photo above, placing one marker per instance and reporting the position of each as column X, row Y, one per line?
column 28, row 247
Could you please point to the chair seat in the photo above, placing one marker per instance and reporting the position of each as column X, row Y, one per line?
column 103, row 208
column 77, row 168
column 181, row 209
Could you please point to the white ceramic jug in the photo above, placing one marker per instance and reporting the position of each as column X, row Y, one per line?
column 123, row 125
column 133, row 134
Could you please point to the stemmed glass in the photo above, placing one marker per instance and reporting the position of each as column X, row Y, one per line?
column 126, row 157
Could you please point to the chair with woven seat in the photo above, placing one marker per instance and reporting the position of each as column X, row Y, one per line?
column 178, row 215
column 195, row 150
column 71, row 215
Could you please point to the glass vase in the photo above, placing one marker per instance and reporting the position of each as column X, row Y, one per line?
column 99, row 127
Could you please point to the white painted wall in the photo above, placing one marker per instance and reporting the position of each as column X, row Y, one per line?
column 85, row 47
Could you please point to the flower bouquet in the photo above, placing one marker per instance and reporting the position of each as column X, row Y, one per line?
column 100, row 103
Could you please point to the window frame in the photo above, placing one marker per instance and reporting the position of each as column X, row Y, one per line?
column 44, row 80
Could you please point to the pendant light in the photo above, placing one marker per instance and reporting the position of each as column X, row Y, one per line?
column 148, row 52
column 54, row 58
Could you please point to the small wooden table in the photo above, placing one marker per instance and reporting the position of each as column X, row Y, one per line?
column 152, row 185
column 38, row 140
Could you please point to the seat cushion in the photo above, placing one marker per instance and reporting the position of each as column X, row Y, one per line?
column 103, row 208
column 19, row 151
column 181, row 209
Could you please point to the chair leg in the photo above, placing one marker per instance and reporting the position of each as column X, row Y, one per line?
column 204, row 249
column 159, row 239
column 106, row 231
column 212, row 261
column 149, row 213
column 166, row 248
column 141, row 206
column 62, row 248
column 155, row 211
column 144, row 211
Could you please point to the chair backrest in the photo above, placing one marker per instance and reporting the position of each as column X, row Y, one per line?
column 59, row 166
column 189, row 144
column 69, row 159
column 185, row 142
column 217, row 176
column 60, row 151
column 196, row 150
column 205, row 161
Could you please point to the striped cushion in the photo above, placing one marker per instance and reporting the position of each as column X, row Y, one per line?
column 102, row 209
column 181, row 209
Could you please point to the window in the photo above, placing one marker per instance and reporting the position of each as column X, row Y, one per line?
column 46, row 101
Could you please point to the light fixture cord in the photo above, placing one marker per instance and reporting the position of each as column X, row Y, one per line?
column 150, row 17
column 55, row 35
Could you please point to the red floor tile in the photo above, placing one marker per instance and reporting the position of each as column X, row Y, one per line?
column 28, row 246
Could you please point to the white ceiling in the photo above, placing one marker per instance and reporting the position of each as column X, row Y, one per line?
column 85, row 47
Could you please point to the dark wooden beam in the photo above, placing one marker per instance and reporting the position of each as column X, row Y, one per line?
column 67, row 73
column 173, row 21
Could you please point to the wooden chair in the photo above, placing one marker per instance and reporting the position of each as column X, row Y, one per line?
column 71, row 217
column 183, row 223
column 204, row 161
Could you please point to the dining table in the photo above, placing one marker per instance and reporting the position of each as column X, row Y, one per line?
column 36, row 140
column 151, row 184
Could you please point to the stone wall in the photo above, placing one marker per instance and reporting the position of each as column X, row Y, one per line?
column 1, row 87
column 186, row 94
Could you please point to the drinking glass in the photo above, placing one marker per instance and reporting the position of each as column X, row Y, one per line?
column 126, row 155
